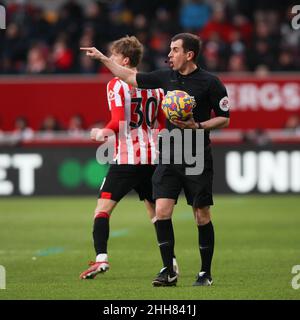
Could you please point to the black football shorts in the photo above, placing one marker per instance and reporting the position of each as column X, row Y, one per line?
column 169, row 179
column 123, row 178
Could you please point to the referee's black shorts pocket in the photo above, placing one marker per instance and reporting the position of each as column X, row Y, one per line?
column 198, row 188
column 166, row 183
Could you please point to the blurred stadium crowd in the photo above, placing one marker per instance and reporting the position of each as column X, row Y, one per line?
column 51, row 128
column 238, row 35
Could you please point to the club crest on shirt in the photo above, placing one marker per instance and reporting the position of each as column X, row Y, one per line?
column 111, row 95
column 224, row 104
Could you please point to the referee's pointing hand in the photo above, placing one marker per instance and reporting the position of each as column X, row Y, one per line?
column 93, row 53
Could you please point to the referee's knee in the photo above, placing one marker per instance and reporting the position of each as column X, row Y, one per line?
column 202, row 215
column 163, row 213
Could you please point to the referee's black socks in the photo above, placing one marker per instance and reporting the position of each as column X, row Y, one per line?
column 206, row 238
column 165, row 238
column 155, row 226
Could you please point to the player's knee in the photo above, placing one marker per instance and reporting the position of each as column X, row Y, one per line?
column 105, row 205
column 150, row 209
column 101, row 214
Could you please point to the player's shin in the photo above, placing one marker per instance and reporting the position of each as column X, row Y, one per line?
column 101, row 232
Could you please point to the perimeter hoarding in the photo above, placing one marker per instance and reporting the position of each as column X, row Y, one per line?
column 239, row 169
column 264, row 103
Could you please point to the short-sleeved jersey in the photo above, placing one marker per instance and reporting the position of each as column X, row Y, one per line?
column 135, row 113
column 208, row 91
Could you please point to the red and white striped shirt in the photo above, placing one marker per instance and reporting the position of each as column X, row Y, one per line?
column 137, row 117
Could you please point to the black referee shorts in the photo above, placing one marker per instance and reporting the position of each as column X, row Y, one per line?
column 123, row 178
column 169, row 179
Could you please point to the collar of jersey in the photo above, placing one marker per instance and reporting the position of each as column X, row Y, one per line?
column 178, row 74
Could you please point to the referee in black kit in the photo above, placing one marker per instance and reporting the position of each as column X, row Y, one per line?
column 169, row 179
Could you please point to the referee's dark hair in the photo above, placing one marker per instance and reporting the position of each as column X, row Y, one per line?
column 190, row 42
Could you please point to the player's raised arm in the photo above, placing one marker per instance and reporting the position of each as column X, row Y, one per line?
column 125, row 74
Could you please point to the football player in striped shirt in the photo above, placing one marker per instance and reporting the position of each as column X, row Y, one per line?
column 135, row 114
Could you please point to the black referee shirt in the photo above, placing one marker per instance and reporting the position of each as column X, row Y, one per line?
column 208, row 91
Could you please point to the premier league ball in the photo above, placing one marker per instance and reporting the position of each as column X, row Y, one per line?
column 178, row 105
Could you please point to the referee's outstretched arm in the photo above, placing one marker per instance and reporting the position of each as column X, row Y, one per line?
column 126, row 74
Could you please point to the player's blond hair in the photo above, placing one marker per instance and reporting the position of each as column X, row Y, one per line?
column 129, row 47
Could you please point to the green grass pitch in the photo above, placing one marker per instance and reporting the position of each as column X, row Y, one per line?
column 46, row 242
